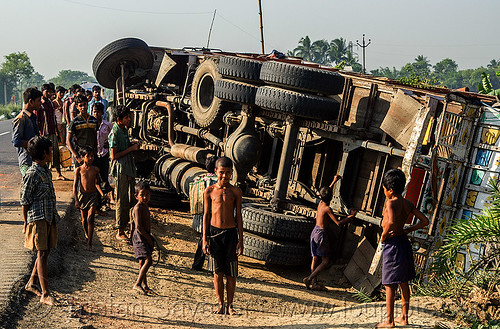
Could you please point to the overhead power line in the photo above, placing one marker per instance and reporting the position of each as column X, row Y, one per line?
column 135, row 11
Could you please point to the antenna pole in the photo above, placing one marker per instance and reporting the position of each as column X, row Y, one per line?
column 210, row 31
column 261, row 28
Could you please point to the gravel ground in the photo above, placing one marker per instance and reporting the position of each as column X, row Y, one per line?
column 94, row 288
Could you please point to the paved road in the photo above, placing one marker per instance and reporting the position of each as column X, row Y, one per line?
column 16, row 260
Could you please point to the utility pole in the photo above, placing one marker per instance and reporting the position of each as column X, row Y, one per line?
column 5, row 92
column 261, row 28
column 364, row 47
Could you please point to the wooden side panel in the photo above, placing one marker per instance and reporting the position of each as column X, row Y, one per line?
column 358, row 108
column 401, row 117
column 382, row 105
column 356, row 270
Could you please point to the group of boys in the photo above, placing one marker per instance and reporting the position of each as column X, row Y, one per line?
column 222, row 237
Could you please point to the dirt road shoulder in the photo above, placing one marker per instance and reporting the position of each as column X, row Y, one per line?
column 95, row 288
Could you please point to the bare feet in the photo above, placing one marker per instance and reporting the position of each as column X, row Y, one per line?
column 139, row 289
column 219, row 310
column 61, row 177
column 150, row 292
column 231, row 310
column 48, row 300
column 122, row 237
column 319, row 287
column 32, row 288
column 307, row 282
column 385, row 325
column 402, row 321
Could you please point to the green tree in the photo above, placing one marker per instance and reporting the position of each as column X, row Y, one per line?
column 422, row 66
column 338, row 50
column 319, row 50
column 66, row 78
column 445, row 67
column 482, row 277
column 304, row 49
column 35, row 79
column 350, row 59
column 6, row 87
column 493, row 65
column 446, row 72
column 17, row 67
column 387, row 72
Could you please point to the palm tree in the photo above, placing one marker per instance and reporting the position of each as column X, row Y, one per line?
column 494, row 64
column 480, row 229
column 320, row 51
column 304, row 49
column 351, row 59
column 338, row 50
column 422, row 66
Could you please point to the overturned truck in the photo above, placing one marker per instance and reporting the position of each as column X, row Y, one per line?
column 290, row 126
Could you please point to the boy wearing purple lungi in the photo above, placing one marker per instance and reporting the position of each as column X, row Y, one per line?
column 397, row 256
column 320, row 244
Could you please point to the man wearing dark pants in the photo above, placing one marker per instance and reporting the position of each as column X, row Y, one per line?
column 123, row 169
column 102, row 159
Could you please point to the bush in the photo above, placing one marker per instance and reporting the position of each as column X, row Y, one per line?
column 9, row 111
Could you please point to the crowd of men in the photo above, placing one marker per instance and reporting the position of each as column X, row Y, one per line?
column 70, row 117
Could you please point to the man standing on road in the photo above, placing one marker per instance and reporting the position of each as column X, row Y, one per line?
column 48, row 126
column 123, row 169
column 25, row 126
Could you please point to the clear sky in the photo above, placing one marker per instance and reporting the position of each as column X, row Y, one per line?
column 67, row 34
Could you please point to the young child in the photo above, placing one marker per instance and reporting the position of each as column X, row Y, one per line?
column 38, row 200
column 397, row 256
column 320, row 244
column 86, row 190
column 223, row 232
column 141, row 236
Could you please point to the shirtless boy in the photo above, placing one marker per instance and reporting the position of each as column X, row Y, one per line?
column 141, row 236
column 85, row 190
column 223, row 232
column 397, row 266
column 320, row 244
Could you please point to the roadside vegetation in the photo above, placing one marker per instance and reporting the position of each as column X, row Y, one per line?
column 474, row 292
column 17, row 73
column 419, row 73
column 9, row 111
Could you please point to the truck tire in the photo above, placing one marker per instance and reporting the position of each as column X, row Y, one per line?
column 275, row 252
column 295, row 103
column 198, row 222
column 235, row 91
column 240, row 68
column 163, row 198
column 208, row 109
column 259, row 219
column 106, row 65
column 302, row 78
